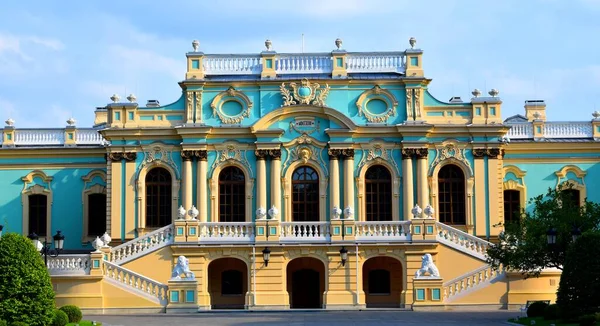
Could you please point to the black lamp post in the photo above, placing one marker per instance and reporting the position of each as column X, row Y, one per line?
column 1, row 227
column 344, row 255
column 551, row 236
column 266, row 255
column 46, row 249
column 575, row 233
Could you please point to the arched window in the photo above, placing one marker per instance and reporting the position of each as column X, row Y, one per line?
column 96, row 214
column 232, row 282
column 512, row 206
column 451, row 183
column 305, row 194
column 379, row 282
column 232, row 193
column 158, row 198
column 378, row 193
column 38, row 214
column 572, row 197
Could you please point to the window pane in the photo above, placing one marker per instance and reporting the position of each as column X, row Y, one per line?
column 451, row 195
column 378, row 184
column 38, row 214
column 232, row 190
column 96, row 214
column 158, row 198
column 305, row 194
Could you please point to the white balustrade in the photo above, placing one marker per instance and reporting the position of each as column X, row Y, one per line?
column 462, row 241
column 88, row 137
column 1, row 137
column 375, row 62
column 39, row 137
column 520, row 131
column 383, row 231
column 136, row 283
column 469, row 281
column 143, row 245
column 304, row 232
column 226, row 232
column 568, row 130
column 303, row 63
column 232, row 64
column 69, row 265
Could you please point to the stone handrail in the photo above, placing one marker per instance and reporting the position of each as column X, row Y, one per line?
column 88, row 137
column 304, row 232
column 376, row 62
column 471, row 280
column 136, row 283
column 303, row 63
column 231, row 64
column 462, row 241
column 143, row 245
column 378, row 231
column 69, row 265
column 224, row 232
column 520, row 131
column 550, row 130
column 39, row 137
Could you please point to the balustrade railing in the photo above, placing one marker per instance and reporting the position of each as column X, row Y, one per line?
column 462, row 241
column 377, row 231
column 305, row 232
column 88, row 137
column 375, row 62
column 142, row 245
column 520, row 131
column 471, row 280
column 524, row 130
column 69, row 265
column 34, row 137
column 224, row 232
column 140, row 284
column 230, row 64
column 303, row 63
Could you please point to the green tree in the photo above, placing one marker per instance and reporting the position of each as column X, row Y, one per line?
column 524, row 247
column 26, row 292
column 579, row 287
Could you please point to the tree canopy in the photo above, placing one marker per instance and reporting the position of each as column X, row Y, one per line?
column 523, row 245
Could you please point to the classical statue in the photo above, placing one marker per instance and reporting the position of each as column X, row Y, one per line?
column 182, row 270
column 427, row 266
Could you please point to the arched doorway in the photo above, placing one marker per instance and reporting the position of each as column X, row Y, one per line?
column 227, row 283
column 306, row 283
column 382, row 282
column 305, row 194
column 451, row 195
column 158, row 198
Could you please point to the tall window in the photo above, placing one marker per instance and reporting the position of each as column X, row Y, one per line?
column 232, row 282
column 158, row 198
column 305, row 194
column 451, row 183
column 38, row 214
column 96, row 214
column 379, row 282
column 232, row 204
column 512, row 206
column 378, row 183
column 572, row 196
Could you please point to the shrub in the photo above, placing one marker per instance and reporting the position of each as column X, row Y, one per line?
column 587, row 320
column 73, row 312
column 552, row 312
column 25, row 287
column 3, row 323
column 19, row 323
column 60, row 318
column 578, row 289
column 536, row 309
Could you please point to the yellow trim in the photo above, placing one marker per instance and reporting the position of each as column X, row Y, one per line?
column 213, row 186
column 581, row 187
column 516, row 171
column 360, row 185
column 36, row 190
column 141, row 188
column 95, row 189
column 324, row 112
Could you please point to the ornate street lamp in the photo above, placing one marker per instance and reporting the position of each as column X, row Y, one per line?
column 344, row 255
column 266, row 255
column 551, row 236
column 575, row 233
column 46, row 248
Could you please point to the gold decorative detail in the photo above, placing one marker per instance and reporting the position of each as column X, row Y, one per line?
column 231, row 152
column 316, row 94
column 310, row 123
column 377, row 93
column 305, row 148
column 231, row 94
column 159, row 154
column 450, row 151
column 409, row 106
column 304, row 154
column 377, row 152
column 198, row 106
column 189, row 103
column 417, row 103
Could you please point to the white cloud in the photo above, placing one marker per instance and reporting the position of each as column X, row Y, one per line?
column 136, row 61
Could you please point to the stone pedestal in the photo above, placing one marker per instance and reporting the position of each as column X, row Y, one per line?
column 342, row 230
column 429, row 232
column 180, row 231
column 428, row 293
column 183, row 296
column 96, row 258
column 192, row 230
column 267, row 230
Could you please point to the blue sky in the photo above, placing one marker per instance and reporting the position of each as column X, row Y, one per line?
column 64, row 58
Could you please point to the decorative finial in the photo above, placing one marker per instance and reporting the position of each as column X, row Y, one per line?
column 10, row 122
column 537, row 115
column 132, row 98
column 268, row 44
column 412, row 41
column 493, row 92
column 338, row 43
column 195, row 45
column 193, row 212
column 476, row 92
column 596, row 115
column 71, row 121
column 115, row 98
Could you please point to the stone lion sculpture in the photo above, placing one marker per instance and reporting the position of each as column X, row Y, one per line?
column 182, row 270
column 427, row 266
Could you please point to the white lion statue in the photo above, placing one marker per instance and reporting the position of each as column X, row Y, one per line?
column 182, row 269
column 427, row 266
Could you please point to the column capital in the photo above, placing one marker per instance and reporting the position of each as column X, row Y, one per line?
column 408, row 153
column 202, row 155
column 334, row 153
column 114, row 156
column 495, row 153
column 421, row 153
column 187, row 155
column 347, row 153
column 261, row 154
column 274, row 154
column 479, row 153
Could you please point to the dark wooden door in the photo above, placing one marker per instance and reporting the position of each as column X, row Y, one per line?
column 306, row 289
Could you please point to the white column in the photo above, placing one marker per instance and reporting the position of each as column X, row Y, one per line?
column 202, row 186
column 261, row 175
column 187, row 179
column 334, row 179
column 348, row 155
column 276, row 179
column 422, row 184
column 407, row 183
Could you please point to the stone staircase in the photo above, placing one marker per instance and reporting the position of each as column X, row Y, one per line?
column 135, row 283
column 143, row 245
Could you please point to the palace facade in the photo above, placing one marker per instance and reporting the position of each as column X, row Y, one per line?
column 292, row 180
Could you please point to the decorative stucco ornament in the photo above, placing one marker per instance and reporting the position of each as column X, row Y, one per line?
column 261, row 213
column 195, row 45
column 348, row 213
column 336, row 212
column 10, row 122
column 105, row 239
column 416, row 211
column 97, row 244
column 427, row 266
column 268, row 44
column 596, row 115
column 273, row 212
column 182, row 270
column 493, row 92
column 338, row 43
column 132, row 98
column 306, row 93
column 181, row 212
column 71, row 121
column 115, row 98
column 476, row 92
column 412, row 41
column 193, row 212
column 305, row 154
column 537, row 115
column 429, row 211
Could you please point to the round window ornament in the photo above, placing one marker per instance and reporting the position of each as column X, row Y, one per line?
column 231, row 106
column 377, row 105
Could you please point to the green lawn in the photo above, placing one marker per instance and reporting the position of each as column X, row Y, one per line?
column 84, row 323
column 539, row 321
